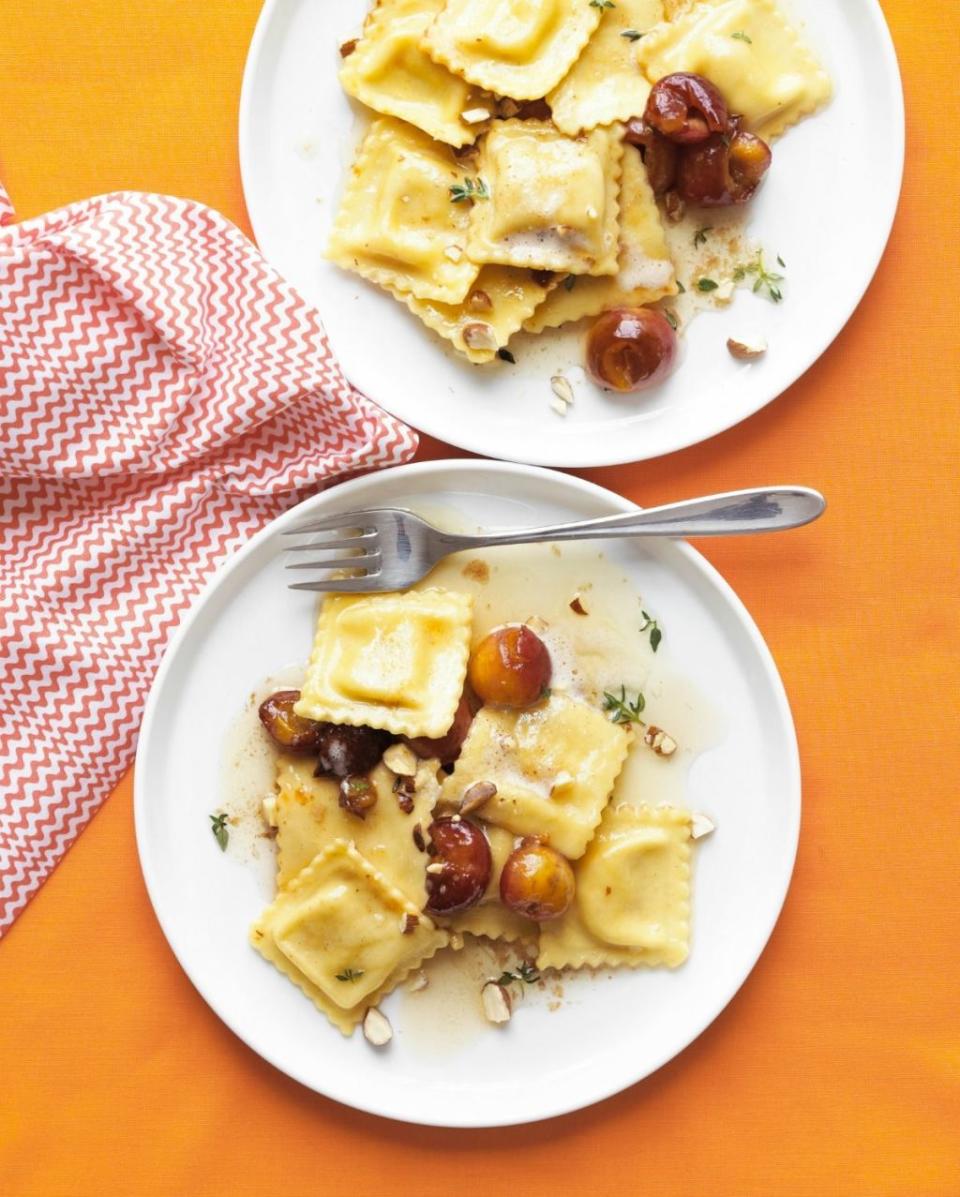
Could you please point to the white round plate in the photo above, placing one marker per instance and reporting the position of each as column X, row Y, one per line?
column 826, row 209
column 613, row 1032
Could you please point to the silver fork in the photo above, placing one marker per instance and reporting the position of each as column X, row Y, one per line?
column 392, row 548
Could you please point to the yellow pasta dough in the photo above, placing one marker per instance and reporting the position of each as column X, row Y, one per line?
column 632, row 904
column 344, row 935
column 391, row 73
column 604, row 84
column 393, row 661
column 553, row 199
column 308, row 818
column 554, row 766
column 751, row 52
column 517, row 48
column 646, row 271
column 396, row 225
column 498, row 303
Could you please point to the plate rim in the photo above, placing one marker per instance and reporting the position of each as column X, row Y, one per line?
column 608, row 452
column 553, row 1106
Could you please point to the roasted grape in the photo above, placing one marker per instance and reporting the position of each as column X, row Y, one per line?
column 292, row 732
column 629, row 349
column 686, row 108
column 463, row 856
column 723, row 170
column 358, row 795
column 349, row 750
column 446, row 749
column 510, row 667
column 659, row 154
column 536, row 881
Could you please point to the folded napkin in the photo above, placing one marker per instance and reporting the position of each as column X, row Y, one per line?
column 163, row 394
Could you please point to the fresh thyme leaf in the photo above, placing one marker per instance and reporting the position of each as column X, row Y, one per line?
column 506, row 356
column 220, row 832
column 569, row 282
column 350, row 974
column 782, row 262
column 621, row 709
column 469, row 189
column 526, row 972
column 632, row 35
column 602, row 4
column 681, row 289
column 671, row 319
column 651, row 625
column 742, row 37
column 701, row 235
column 764, row 277
column 706, row 284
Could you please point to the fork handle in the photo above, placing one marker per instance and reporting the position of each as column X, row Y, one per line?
column 735, row 513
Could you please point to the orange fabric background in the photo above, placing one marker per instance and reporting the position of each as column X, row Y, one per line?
column 837, row 1068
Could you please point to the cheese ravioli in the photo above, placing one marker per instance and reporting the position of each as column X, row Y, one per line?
column 553, row 199
column 753, row 55
column 516, row 48
column 396, row 225
column 391, row 73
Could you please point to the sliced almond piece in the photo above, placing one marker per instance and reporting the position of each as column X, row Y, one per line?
column 747, row 351
column 376, row 1027
column 401, row 760
column 473, row 116
column 701, row 825
column 496, row 1003
column 478, row 335
column 476, row 795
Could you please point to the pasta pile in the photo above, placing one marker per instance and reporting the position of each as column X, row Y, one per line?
column 494, row 192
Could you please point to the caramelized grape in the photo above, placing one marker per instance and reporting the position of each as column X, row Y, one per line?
column 630, row 348
column 686, row 108
column 358, row 795
column 723, row 170
column 510, row 667
column 349, row 750
column 659, row 154
column 447, row 748
column 463, row 854
column 536, row 881
column 292, row 732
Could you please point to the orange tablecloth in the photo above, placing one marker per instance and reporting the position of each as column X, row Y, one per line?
column 837, row 1068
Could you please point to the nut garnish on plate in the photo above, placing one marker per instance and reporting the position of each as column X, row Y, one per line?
column 497, row 1006
column 376, row 1027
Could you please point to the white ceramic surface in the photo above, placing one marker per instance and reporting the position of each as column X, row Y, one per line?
column 826, row 208
column 611, row 1032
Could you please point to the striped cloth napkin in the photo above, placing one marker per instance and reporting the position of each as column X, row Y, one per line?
column 163, row 394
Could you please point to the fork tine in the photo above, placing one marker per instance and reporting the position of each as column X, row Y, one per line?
column 331, row 523
column 340, row 585
column 337, row 562
column 348, row 542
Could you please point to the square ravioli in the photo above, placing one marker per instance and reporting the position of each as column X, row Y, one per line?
column 516, row 48
column 308, row 818
column 604, row 84
column 553, row 199
column 390, row 72
column 498, row 303
column 393, row 661
column 396, row 224
column 751, row 52
column 344, row 935
column 554, row 766
column 632, row 905
column 646, row 271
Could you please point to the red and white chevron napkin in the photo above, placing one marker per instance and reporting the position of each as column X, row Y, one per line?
column 163, row 393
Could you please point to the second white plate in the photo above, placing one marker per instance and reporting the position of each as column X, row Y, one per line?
column 608, row 1033
column 826, row 209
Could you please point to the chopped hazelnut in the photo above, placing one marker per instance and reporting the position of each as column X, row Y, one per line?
column 479, row 301
column 477, row 335
column 657, row 739
column 376, row 1028
column 496, row 1003
column 401, row 760
column 747, row 351
column 476, row 795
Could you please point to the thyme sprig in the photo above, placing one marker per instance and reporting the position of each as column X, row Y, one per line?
column 764, row 277
column 621, row 710
column 350, row 974
column 221, row 833
column 469, row 189
column 651, row 625
column 526, row 972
